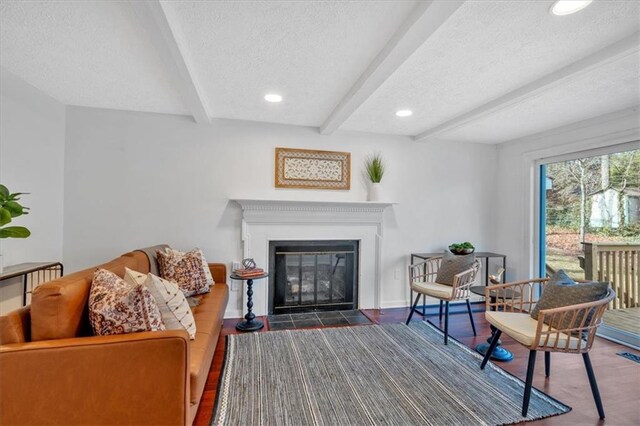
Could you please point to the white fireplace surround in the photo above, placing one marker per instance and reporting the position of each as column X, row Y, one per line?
column 275, row 220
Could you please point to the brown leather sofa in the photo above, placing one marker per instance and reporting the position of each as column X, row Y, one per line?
column 53, row 371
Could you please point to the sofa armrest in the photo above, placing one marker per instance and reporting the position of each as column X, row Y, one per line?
column 219, row 272
column 139, row 378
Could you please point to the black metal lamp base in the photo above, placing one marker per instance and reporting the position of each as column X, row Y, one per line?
column 249, row 325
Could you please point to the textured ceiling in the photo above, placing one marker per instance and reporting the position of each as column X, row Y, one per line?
column 309, row 52
column 485, row 50
column 90, row 53
column 100, row 54
column 609, row 88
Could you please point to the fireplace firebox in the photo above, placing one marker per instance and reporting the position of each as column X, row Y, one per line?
column 309, row 276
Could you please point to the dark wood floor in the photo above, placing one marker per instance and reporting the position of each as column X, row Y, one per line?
column 618, row 378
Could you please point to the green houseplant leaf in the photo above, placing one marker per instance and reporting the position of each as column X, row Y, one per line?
column 14, row 232
column 5, row 216
column 10, row 208
column 14, row 208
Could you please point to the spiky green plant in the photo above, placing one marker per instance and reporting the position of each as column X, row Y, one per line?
column 374, row 167
column 9, row 209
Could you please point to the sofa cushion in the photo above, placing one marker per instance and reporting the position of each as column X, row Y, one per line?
column 185, row 270
column 209, row 317
column 174, row 308
column 451, row 265
column 205, row 265
column 115, row 307
column 59, row 307
column 152, row 260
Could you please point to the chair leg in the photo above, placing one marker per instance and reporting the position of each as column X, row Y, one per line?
column 547, row 363
column 473, row 326
column 413, row 307
column 424, row 305
column 446, row 322
column 440, row 312
column 528, row 383
column 594, row 384
column 494, row 342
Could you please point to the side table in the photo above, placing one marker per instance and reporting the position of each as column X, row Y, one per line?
column 250, row 322
column 499, row 353
column 33, row 273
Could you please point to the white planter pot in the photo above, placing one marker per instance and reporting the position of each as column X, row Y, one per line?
column 375, row 192
column 1, row 264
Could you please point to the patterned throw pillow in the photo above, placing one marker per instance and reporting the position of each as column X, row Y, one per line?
column 557, row 294
column 205, row 264
column 116, row 307
column 452, row 264
column 174, row 308
column 184, row 270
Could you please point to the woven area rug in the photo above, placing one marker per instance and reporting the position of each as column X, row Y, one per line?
column 389, row 374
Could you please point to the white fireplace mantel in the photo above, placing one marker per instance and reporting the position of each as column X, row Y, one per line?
column 275, row 220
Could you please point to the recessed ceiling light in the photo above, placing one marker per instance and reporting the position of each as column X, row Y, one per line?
column 404, row 113
column 272, row 97
column 567, row 7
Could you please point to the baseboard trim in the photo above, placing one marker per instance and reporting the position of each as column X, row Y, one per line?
column 233, row 313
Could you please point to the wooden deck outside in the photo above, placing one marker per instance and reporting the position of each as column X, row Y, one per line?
column 618, row 264
column 624, row 319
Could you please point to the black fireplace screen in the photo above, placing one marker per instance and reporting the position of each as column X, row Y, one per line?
column 312, row 276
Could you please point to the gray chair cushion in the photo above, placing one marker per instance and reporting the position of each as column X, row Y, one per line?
column 451, row 265
column 556, row 295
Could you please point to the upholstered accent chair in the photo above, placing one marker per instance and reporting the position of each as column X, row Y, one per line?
column 422, row 280
column 569, row 329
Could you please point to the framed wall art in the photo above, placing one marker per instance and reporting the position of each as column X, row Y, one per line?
column 305, row 168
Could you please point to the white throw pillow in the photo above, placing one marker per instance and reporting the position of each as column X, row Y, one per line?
column 174, row 308
column 205, row 265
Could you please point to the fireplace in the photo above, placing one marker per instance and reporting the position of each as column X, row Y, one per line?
column 264, row 221
column 309, row 276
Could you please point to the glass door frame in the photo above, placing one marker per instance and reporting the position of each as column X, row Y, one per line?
column 539, row 227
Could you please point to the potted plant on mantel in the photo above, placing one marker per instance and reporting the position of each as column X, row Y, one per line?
column 10, row 208
column 374, row 168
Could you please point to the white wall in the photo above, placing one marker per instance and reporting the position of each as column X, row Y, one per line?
column 138, row 179
column 516, row 211
column 32, row 140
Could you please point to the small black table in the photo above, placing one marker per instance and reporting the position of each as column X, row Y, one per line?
column 250, row 322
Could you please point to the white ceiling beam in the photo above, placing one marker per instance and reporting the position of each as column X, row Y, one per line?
column 423, row 21
column 605, row 56
column 155, row 22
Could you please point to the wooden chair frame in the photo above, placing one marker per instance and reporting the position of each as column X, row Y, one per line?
column 581, row 328
column 427, row 271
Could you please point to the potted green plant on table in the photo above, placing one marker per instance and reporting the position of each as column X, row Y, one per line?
column 462, row 248
column 375, row 169
column 10, row 208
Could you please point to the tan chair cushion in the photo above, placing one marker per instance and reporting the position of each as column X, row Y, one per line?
column 440, row 291
column 521, row 327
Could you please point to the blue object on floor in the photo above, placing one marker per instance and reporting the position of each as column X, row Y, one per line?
column 499, row 353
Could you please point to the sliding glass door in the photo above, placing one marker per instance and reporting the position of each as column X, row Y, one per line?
column 590, row 228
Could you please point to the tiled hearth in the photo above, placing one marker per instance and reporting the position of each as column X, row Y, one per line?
column 317, row 319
